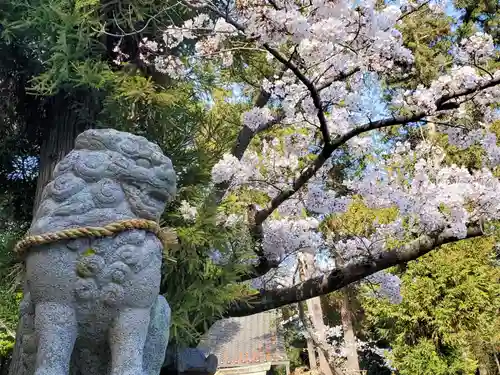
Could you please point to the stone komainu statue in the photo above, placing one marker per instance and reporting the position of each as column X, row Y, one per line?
column 92, row 305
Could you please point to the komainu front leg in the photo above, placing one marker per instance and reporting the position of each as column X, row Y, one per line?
column 127, row 337
column 56, row 329
column 157, row 339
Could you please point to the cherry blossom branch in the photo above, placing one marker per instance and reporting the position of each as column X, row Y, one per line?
column 246, row 135
column 310, row 86
column 413, row 10
column 341, row 277
column 338, row 77
column 244, row 138
column 286, row 62
column 442, row 103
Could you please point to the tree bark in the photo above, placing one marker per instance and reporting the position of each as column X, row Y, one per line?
column 316, row 313
column 311, row 350
column 311, row 353
column 352, row 364
column 483, row 369
column 67, row 116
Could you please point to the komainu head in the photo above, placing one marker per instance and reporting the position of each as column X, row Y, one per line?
column 110, row 172
column 144, row 172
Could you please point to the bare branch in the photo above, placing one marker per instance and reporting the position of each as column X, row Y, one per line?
column 135, row 32
column 340, row 277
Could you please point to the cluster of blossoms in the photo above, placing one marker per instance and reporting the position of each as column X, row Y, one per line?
column 187, row 211
column 331, row 39
column 460, row 79
column 269, row 170
column 153, row 53
column 434, row 197
column 225, row 169
column 325, row 33
column 284, row 234
column 412, row 5
column 465, row 138
column 256, row 117
column 212, row 35
column 389, row 286
column 476, row 49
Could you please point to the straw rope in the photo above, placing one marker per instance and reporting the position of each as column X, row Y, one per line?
column 166, row 235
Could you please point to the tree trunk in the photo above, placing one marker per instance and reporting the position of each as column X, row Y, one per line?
column 316, row 313
column 311, row 350
column 352, row 365
column 66, row 117
column 483, row 369
column 311, row 353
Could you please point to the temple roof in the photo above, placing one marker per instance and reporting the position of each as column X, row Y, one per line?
column 246, row 341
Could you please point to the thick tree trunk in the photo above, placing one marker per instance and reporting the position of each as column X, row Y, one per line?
column 352, row 365
column 66, row 117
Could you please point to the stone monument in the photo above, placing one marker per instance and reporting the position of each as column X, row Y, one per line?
column 91, row 304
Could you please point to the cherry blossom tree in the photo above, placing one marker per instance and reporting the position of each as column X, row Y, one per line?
column 311, row 114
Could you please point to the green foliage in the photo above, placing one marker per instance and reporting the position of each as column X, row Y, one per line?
column 358, row 220
column 479, row 13
column 8, row 295
column 449, row 318
column 64, row 34
column 427, row 35
column 197, row 288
